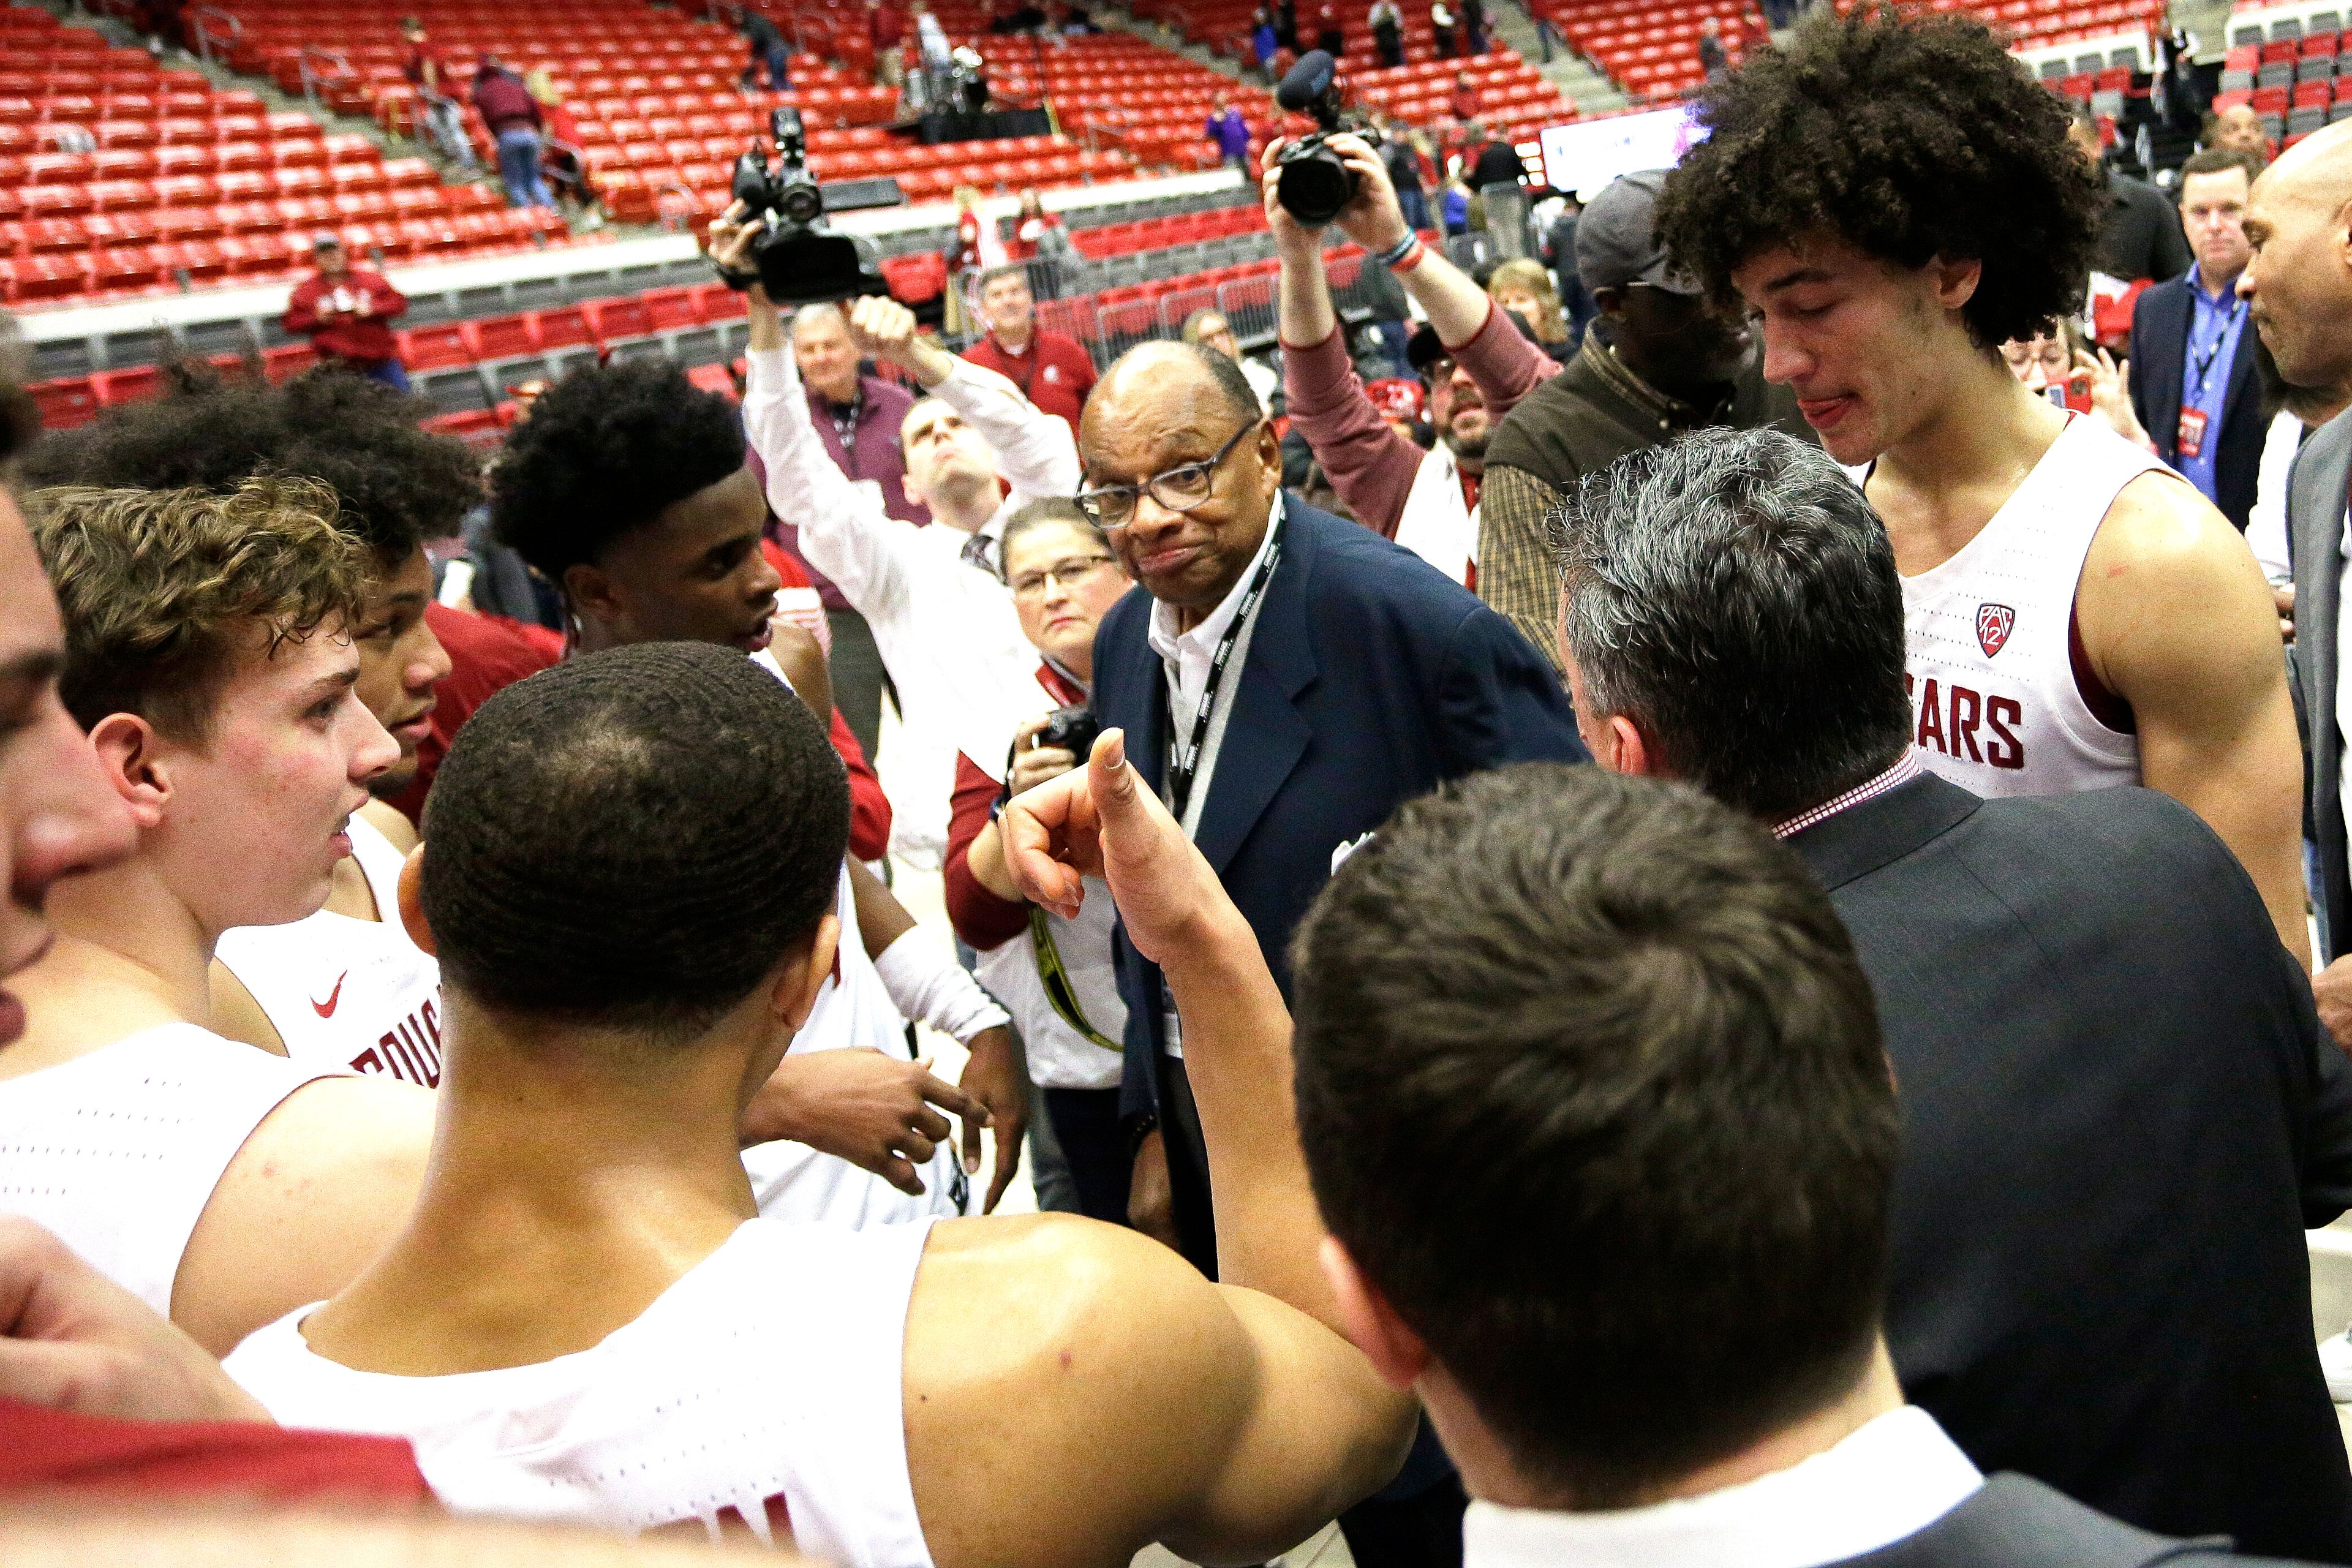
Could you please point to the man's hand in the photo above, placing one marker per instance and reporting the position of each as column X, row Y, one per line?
column 794, row 648
column 1150, row 1202
column 2110, row 388
column 730, row 236
column 1100, row 821
column 1293, row 240
column 78, row 1342
column 2283, row 597
column 1372, row 218
column 883, row 329
column 2331, row 988
column 871, row 1109
column 1033, row 764
column 997, row 1078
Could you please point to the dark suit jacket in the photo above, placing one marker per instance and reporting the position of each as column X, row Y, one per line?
column 2314, row 530
column 1371, row 678
column 2140, row 233
column 2119, row 1114
column 2013, row 1521
column 2160, row 339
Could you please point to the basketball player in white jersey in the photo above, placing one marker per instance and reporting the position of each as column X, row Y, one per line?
column 586, row 1319
column 345, row 988
column 630, row 489
column 206, row 658
column 1893, row 197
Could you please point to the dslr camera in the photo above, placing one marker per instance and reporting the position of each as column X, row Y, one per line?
column 1310, row 181
column 1073, row 730
column 799, row 260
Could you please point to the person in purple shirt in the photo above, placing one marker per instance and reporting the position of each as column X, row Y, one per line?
column 512, row 117
column 857, row 417
column 1231, row 133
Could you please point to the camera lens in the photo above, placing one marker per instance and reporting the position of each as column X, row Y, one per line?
column 1316, row 187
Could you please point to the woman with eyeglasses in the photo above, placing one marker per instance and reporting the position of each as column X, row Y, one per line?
column 1054, row 975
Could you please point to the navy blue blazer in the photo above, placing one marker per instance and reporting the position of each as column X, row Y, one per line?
column 2159, row 340
column 1371, row 678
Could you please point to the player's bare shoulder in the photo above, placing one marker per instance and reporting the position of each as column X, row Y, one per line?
column 1041, row 1352
column 2161, row 535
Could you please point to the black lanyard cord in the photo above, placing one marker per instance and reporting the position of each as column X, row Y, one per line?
column 1185, row 763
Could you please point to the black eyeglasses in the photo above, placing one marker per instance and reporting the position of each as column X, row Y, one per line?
column 1180, row 488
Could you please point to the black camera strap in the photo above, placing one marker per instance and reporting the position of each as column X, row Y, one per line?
column 1185, row 763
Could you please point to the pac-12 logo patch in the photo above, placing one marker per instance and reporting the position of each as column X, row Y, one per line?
column 1993, row 623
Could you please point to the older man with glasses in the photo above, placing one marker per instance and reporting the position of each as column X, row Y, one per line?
column 1285, row 680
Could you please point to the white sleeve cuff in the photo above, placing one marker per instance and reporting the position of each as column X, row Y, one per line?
column 926, row 984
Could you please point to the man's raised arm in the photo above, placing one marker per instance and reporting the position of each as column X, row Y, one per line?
column 844, row 532
column 1369, row 465
column 1036, row 452
column 1288, row 1423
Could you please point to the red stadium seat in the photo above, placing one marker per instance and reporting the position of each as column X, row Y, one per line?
column 288, row 361
column 502, row 337
column 66, row 403
column 615, row 321
column 115, row 388
column 434, row 347
column 562, row 328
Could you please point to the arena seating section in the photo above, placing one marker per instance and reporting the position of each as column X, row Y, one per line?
column 2290, row 81
column 1512, row 97
column 185, row 184
column 656, row 92
column 465, row 348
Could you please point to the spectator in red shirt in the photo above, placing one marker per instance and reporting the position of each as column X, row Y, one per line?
column 438, row 115
column 885, row 28
column 347, row 314
column 1052, row 370
column 512, row 115
column 1465, row 101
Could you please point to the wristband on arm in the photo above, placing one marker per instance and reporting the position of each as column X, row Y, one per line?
column 928, row 985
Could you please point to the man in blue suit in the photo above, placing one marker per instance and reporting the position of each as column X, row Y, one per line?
column 1285, row 679
column 2192, row 352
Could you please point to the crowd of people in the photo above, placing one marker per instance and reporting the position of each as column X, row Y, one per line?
column 1734, row 955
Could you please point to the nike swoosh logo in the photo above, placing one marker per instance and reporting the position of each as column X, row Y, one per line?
column 327, row 1009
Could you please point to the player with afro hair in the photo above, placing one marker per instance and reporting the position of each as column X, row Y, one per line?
column 1910, row 138
column 1892, row 196
column 628, row 489
column 396, row 486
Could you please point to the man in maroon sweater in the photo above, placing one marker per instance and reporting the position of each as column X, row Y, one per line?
column 1050, row 368
column 347, row 314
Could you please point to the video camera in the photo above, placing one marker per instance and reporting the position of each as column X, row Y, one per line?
column 1311, row 183
column 799, row 261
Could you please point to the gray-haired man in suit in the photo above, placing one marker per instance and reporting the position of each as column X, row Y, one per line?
column 2119, row 1110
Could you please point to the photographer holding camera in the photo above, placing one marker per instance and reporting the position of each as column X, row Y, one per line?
column 1053, row 975
column 1426, row 501
column 940, row 612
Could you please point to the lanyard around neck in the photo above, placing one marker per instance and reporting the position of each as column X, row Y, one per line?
column 1185, row 763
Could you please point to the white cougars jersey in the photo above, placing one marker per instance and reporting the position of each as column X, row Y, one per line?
column 1994, row 665
column 765, row 1385
column 346, row 994
column 119, row 1151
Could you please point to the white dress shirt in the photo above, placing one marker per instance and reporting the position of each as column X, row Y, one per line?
column 1891, row 1478
column 945, row 627
column 2266, row 524
column 1185, row 658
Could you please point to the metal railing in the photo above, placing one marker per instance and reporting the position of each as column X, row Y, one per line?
column 338, row 70
column 215, row 29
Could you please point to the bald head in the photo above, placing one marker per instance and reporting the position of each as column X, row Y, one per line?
column 1160, row 413
column 2299, row 222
